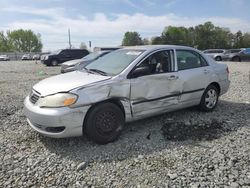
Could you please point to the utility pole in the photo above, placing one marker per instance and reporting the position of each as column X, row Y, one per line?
column 69, row 39
column 89, row 44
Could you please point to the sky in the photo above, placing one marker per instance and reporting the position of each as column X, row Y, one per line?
column 104, row 22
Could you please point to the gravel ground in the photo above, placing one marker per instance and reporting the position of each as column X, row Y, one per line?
column 186, row 148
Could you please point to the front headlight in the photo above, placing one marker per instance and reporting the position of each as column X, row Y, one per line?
column 57, row 100
column 46, row 57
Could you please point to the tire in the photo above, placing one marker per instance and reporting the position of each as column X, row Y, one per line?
column 209, row 99
column 104, row 123
column 54, row 62
column 218, row 58
column 236, row 59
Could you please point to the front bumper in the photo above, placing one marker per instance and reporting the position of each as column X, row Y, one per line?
column 55, row 122
column 45, row 62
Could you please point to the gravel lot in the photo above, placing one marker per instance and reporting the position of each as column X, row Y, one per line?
column 186, row 148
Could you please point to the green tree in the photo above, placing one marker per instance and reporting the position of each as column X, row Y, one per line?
column 24, row 41
column 175, row 35
column 246, row 40
column 131, row 39
column 222, row 38
column 204, row 35
column 4, row 44
column 238, row 40
column 157, row 40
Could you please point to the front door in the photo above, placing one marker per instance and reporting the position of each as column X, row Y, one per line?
column 157, row 91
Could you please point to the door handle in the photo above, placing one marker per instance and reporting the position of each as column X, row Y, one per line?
column 206, row 71
column 172, row 77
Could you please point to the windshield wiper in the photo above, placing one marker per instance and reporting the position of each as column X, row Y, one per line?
column 98, row 71
column 83, row 69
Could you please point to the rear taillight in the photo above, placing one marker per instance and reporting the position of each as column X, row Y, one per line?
column 227, row 70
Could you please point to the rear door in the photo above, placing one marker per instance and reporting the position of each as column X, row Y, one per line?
column 195, row 74
column 157, row 91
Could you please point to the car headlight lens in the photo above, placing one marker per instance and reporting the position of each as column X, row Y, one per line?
column 57, row 100
column 46, row 57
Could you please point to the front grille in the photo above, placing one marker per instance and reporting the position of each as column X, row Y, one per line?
column 34, row 96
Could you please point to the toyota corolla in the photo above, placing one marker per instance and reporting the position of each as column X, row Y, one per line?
column 125, row 85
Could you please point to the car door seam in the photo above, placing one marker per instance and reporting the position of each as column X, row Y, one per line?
column 168, row 96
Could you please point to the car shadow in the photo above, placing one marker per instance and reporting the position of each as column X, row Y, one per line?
column 143, row 137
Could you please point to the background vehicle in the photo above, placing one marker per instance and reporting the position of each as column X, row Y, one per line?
column 122, row 86
column 103, row 48
column 80, row 63
column 36, row 57
column 26, row 57
column 237, row 55
column 61, row 56
column 4, row 58
column 215, row 53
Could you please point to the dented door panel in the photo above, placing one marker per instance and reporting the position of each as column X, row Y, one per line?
column 154, row 93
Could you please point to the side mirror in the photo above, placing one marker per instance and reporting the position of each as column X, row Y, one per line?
column 140, row 71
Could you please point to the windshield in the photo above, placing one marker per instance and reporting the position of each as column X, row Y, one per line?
column 92, row 56
column 56, row 52
column 114, row 62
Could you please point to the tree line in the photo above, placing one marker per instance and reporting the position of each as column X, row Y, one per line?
column 203, row 36
column 20, row 41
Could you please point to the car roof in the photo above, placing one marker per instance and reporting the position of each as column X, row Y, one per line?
column 156, row 47
column 214, row 49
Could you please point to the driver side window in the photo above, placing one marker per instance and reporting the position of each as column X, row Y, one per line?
column 159, row 62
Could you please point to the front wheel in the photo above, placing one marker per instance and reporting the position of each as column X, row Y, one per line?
column 104, row 123
column 209, row 99
column 54, row 63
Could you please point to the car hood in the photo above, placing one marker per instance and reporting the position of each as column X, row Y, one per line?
column 67, row 82
column 72, row 62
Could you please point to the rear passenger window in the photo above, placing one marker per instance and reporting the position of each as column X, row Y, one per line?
column 187, row 59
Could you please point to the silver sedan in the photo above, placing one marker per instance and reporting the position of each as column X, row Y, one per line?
column 125, row 85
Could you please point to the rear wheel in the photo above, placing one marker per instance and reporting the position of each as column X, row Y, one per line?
column 209, row 98
column 104, row 123
column 236, row 59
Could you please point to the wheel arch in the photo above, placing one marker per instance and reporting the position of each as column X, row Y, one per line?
column 217, row 85
column 53, row 59
column 236, row 56
column 115, row 101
